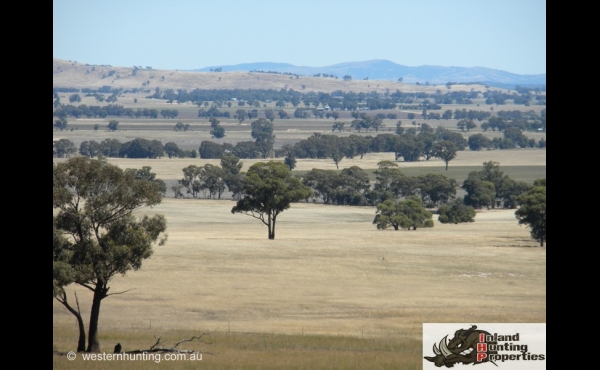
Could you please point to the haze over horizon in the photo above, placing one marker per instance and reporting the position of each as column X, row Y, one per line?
column 507, row 35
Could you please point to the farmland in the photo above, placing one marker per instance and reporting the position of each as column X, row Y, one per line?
column 331, row 291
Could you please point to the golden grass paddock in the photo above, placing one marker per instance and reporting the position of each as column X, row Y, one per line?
column 331, row 291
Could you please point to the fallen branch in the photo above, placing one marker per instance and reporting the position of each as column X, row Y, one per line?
column 155, row 349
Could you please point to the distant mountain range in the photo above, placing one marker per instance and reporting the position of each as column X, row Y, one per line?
column 386, row 70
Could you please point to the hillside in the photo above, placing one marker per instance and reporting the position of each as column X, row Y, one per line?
column 79, row 75
column 386, row 70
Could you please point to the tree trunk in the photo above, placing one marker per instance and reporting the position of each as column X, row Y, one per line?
column 81, row 341
column 541, row 241
column 99, row 295
column 272, row 228
column 77, row 314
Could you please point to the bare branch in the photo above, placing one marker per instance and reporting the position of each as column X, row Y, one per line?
column 63, row 299
column 86, row 286
column 77, row 301
column 191, row 339
column 125, row 291
column 260, row 216
column 157, row 342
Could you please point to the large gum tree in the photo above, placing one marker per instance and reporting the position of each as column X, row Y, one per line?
column 269, row 189
column 96, row 234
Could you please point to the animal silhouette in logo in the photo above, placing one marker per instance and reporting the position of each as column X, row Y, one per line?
column 460, row 349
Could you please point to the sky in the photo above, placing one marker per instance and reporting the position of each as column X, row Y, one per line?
column 508, row 35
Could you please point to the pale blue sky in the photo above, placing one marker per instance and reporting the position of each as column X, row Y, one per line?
column 508, row 35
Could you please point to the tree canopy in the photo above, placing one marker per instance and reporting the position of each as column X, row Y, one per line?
column 456, row 212
column 492, row 188
column 217, row 130
column 445, row 150
column 408, row 214
column 63, row 148
column 262, row 132
column 532, row 210
column 113, row 125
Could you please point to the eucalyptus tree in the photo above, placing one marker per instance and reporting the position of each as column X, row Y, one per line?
column 240, row 114
column 217, row 130
column 532, row 210
column 407, row 214
column 110, row 147
column 436, row 188
column 479, row 142
column 97, row 236
column 172, row 149
column 480, row 193
column 269, row 189
column 270, row 115
column 233, row 177
column 456, row 212
column 212, row 179
column 262, row 132
column 113, row 125
column 387, row 178
column 90, row 148
column 61, row 123
column 63, row 148
column 445, row 150
column 191, row 180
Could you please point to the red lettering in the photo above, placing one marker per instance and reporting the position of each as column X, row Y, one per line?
column 481, row 356
column 481, row 347
column 482, row 337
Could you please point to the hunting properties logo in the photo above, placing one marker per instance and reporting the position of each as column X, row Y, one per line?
column 500, row 344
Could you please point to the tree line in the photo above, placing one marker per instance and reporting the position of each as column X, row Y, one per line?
column 136, row 148
column 346, row 100
column 96, row 111
column 489, row 188
column 337, row 100
column 409, row 144
column 401, row 201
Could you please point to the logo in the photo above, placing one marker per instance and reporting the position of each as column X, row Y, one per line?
column 497, row 344
column 465, row 347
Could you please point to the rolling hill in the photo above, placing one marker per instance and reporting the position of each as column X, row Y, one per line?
column 73, row 74
column 390, row 71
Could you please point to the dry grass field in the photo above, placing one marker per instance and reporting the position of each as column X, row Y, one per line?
column 325, row 272
column 330, row 272
column 329, row 287
column 331, row 291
